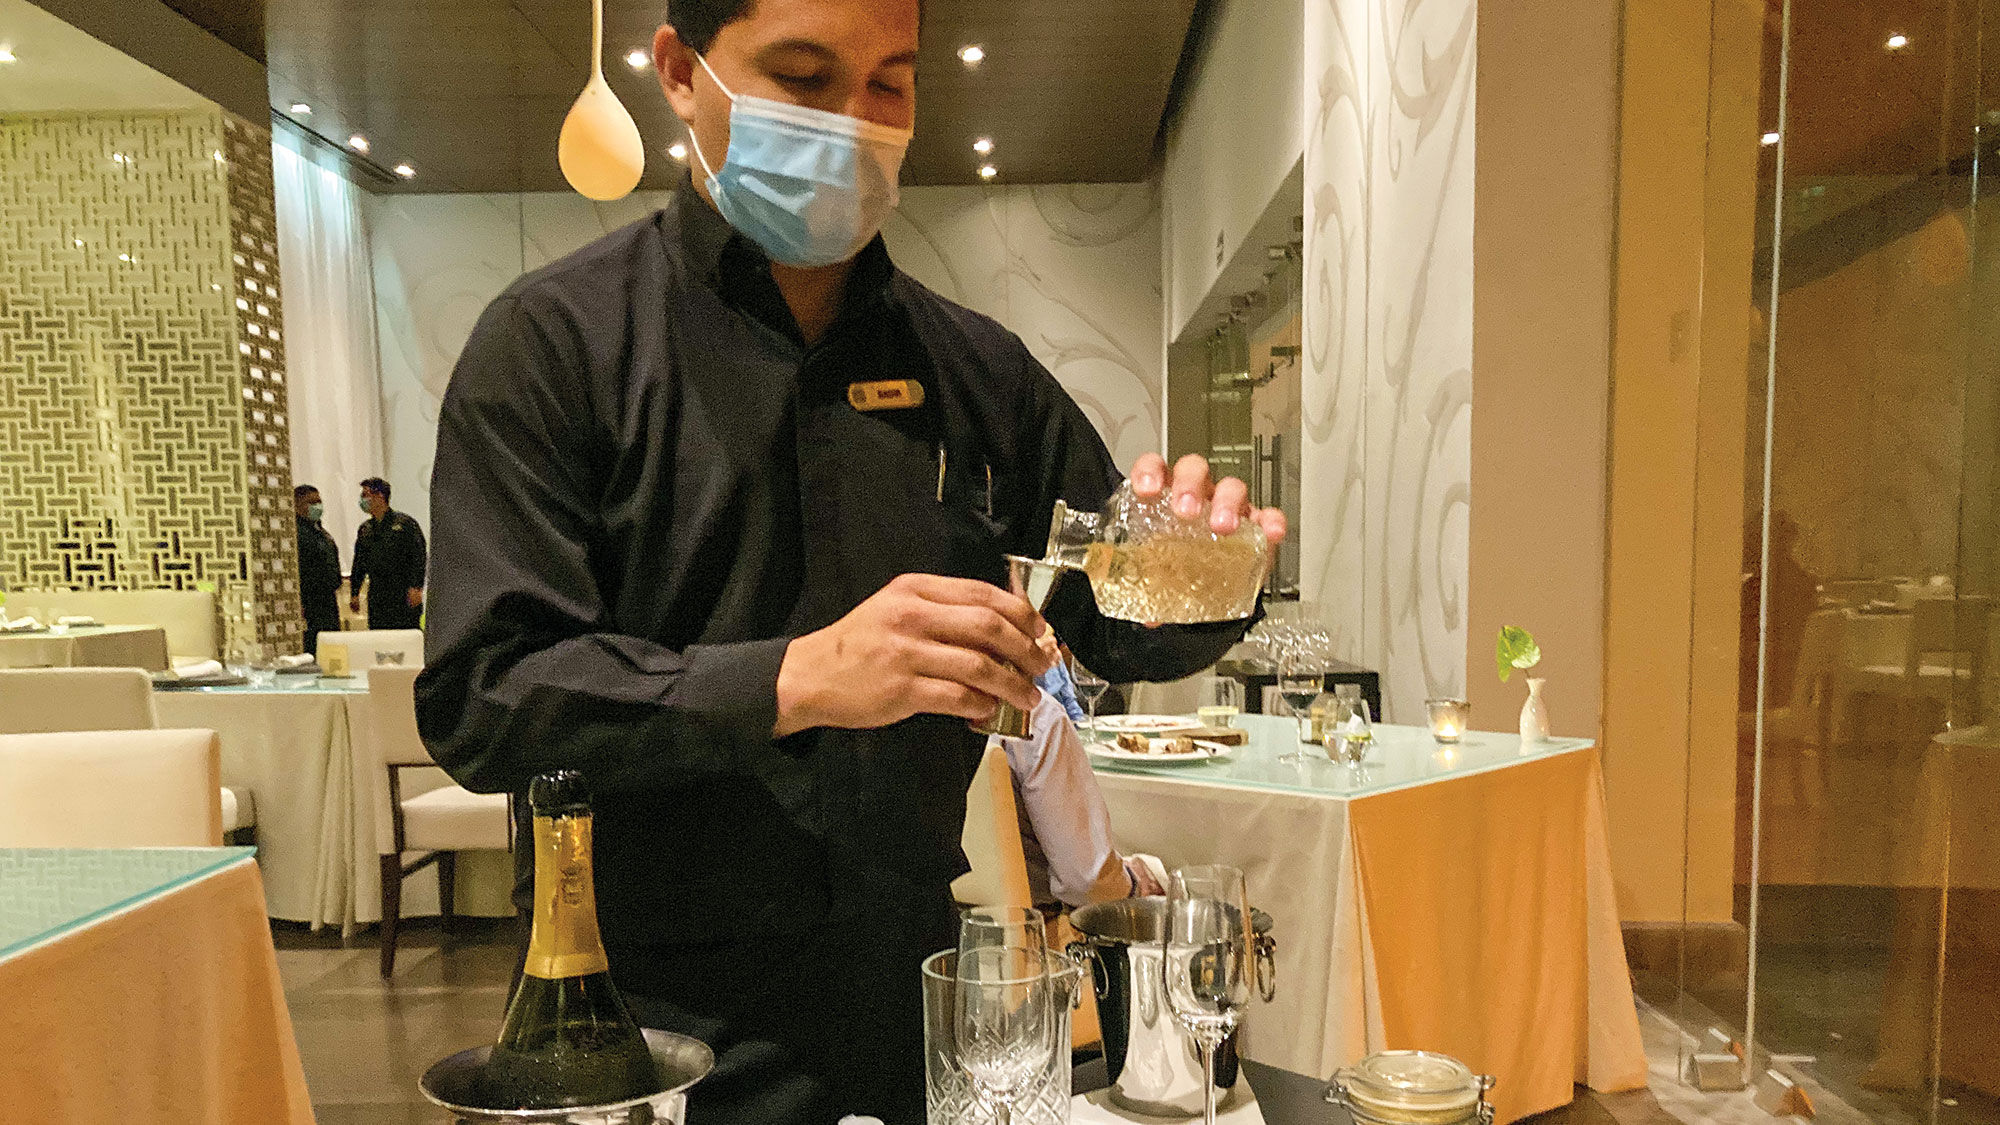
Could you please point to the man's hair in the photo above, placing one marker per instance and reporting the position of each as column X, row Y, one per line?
column 301, row 490
column 698, row 21
column 378, row 486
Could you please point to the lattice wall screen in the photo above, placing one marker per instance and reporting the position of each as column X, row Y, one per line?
column 143, row 439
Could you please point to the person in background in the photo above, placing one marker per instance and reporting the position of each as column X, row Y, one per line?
column 388, row 550
column 319, row 567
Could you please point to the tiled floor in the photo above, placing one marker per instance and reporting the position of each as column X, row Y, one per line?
column 365, row 1041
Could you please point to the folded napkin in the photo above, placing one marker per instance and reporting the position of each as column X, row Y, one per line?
column 296, row 660
column 197, row 669
column 76, row 619
column 1096, row 1109
column 21, row 625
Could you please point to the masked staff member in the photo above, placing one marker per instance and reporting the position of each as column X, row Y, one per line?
column 719, row 507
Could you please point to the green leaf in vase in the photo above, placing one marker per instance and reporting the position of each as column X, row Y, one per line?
column 1517, row 649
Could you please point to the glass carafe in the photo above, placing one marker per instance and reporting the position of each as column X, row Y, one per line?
column 1148, row 564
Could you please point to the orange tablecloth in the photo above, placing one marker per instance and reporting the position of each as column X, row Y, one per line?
column 168, row 1012
column 1471, row 914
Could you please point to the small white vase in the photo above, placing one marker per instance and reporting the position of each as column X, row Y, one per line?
column 1535, row 714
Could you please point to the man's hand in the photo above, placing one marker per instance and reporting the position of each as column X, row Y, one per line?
column 922, row 645
column 416, row 597
column 1227, row 503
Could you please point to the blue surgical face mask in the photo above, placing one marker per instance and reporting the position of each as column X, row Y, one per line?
column 810, row 187
column 363, row 504
column 316, row 511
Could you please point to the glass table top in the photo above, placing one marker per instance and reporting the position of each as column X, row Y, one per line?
column 283, row 685
column 1402, row 757
column 48, row 892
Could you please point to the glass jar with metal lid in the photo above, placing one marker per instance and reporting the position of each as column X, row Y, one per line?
column 1412, row 1088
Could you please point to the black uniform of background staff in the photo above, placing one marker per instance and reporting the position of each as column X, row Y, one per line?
column 319, row 571
column 389, row 549
column 646, row 485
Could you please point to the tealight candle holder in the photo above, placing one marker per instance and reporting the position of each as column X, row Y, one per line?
column 1448, row 718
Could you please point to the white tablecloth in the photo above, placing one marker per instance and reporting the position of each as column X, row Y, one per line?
column 87, row 646
column 302, row 749
column 1456, row 900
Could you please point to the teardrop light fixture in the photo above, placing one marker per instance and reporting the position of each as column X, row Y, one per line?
column 600, row 151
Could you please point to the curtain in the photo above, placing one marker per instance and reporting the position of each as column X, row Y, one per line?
column 330, row 352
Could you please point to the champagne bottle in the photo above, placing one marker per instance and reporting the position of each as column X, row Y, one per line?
column 569, row 1039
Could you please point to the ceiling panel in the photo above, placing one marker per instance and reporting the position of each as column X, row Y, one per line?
column 473, row 92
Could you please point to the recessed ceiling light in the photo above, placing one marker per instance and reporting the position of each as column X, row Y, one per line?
column 79, row 243
column 302, row 109
column 638, row 59
column 972, row 54
column 678, row 151
column 405, row 171
column 219, row 158
column 1770, row 138
column 117, row 158
column 988, row 171
column 7, row 53
column 983, row 145
column 358, row 143
column 1897, row 42
column 124, row 257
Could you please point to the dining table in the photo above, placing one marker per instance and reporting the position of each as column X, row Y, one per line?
column 303, row 749
column 141, row 985
column 86, row 646
column 1453, row 898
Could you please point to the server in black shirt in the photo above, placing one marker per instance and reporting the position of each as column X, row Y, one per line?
column 389, row 552
column 720, row 502
column 319, row 566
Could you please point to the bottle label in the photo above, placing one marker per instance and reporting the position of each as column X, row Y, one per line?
column 564, row 941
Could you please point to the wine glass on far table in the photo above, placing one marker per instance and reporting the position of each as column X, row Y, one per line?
column 1348, row 740
column 1221, row 701
column 1005, row 1028
column 1207, row 943
column 1299, row 686
column 1090, row 687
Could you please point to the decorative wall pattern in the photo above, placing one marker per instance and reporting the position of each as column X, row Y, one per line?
column 1388, row 335
column 1073, row 269
column 124, row 449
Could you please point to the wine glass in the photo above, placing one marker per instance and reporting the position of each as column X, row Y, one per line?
column 1299, row 687
column 1349, row 739
column 1003, row 927
column 1221, row 700
column 1090, row 687
column 1208, row 952
column 1004, row 1023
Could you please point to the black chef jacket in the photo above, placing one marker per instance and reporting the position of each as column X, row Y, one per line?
column 390, row 551
column 647, row 483
column 319, row 579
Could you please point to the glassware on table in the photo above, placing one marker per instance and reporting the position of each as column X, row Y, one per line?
column 1003, row 927
column 1221, row 701
column 1004, row 1023
column 1034, row 580
column 1090, row 687
column 949, row 1092
column 1299, row 688
column 1349, row 738
column 1148, row 564
column 1448, row 718
column 1209, row 952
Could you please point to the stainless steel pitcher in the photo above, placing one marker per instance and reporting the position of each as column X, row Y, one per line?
column 1153, row 1064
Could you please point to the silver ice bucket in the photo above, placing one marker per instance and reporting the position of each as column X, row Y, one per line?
column 1153, row 1064
column 453, row 1084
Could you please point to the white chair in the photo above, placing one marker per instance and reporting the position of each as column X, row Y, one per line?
column 992, row 839
column 418, row 809
column 375, row 648
column 187, row 616
column 41, row 700
column 111, row 789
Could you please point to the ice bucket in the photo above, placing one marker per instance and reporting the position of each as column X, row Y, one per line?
column 453, row 1084
column 1152, row 1061
column 948, row 1093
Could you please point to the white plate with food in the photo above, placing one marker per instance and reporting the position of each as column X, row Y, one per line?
column 1159, row 751
column 1146, row 724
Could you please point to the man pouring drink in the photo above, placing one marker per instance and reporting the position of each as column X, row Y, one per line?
column 675, row 549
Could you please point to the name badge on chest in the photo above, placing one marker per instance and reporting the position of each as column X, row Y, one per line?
column 887, row 394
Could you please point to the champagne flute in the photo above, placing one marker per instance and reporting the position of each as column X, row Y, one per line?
column 1004, row 1023
column 1221, row 700
column 1091, row 687
column 1208, row 950
column 1002, row 927
column 1299, row 688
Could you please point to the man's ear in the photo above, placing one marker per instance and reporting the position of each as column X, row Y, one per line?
column 675, row 63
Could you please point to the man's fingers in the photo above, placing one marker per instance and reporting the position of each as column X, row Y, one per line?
column 944, row 697
column 1191, row 486
column 1275, row 526
column 981, row 629
column 1231, row 504
column 977, row 671
column 984, row 595
column 1149, row 475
